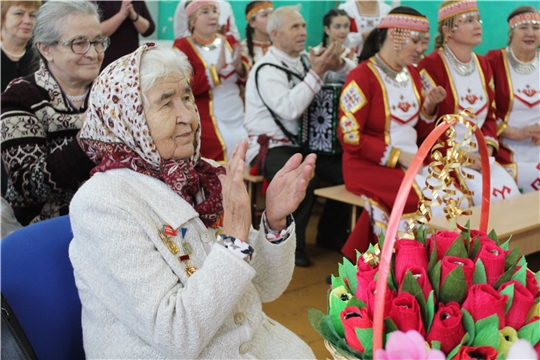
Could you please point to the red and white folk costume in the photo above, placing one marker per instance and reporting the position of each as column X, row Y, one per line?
column 517, row 95
column 217, row 95
column 379, row 112
column 468, row 86
column 361, row 23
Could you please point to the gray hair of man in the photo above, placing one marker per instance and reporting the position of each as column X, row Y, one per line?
column 52, row 15
column 276, row 19
column 158, row 63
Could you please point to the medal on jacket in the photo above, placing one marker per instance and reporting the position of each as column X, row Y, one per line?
column 166, row 233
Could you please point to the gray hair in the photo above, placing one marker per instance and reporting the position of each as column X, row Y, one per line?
column 52, row 15
column 158, row 63
column 276, row 19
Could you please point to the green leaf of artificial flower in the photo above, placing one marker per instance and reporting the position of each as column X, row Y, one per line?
column 468, row 323
column 530, row 332
column 389, row 326
column 365, row 336
column 487, row 332
column 433, row 255
column 493, row 236
column 512, row 258
column 506, row 245
column 537, row 276
column 507, row 276
column 348, row 270
column 354, row 301
column 337, row 307
column 338, row 281
column 411, row 285
column 323, row 324
column 436, row 345
column 466, row 232
column 457, row 249
column 521, row 275
column 381, row 240
column 475, row 248
column 421, row 235
column 430, row 310
column 522, row 262
column 435, row 278
column 500, row 356
column 479, row 276
column 454, row 287
column 509, row 290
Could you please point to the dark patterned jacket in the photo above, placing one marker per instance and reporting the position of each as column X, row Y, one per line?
column 43, row 160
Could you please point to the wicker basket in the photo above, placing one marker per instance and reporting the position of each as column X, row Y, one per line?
column 397, row 210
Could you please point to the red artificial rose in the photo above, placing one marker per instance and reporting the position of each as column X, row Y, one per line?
column 447, row 327
column 483, row 301
column 531, row 283
column 353, row 318
column 493, row 258
column 389, row 295
column 449, row 263
column 421, row 276
column 445, row 239
column 476, row 352
column 365, row 274
column 516, row 316
column 405, row 313
column 409, row 253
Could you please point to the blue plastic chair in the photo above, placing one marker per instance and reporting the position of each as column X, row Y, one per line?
column 38, row 283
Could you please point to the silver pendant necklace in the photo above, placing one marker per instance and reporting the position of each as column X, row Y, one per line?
column 401, row 77
column 461, row 68
column 521, row 67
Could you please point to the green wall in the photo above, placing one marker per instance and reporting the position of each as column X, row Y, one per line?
column 493, row 13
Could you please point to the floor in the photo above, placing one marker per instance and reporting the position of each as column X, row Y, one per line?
column 308, row 290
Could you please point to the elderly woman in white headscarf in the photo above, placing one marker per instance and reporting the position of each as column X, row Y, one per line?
column 164, row 258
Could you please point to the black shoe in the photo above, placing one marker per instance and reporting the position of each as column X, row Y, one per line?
column 301, row 259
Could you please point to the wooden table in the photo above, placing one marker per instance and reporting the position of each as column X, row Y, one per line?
column 518, row 216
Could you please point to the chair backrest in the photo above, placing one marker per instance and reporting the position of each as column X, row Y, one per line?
column 38, row 283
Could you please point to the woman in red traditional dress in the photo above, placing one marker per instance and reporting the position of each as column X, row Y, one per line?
column 517, row 95
column 468, row 81
column 381, row 106
column 218, row 70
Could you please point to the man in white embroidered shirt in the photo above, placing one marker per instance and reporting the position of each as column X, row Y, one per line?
column 279, row 89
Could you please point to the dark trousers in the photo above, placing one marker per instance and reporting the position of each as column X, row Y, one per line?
column 333, row 224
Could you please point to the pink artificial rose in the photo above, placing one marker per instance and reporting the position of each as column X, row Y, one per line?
column 389, row 295
column 516, row 316
column 409, row 253
column 449, row 263
column 483, row 301
column 353, row 318
column 421, row 276
column 409, row 345
column 445, row 239
column 364, row 275
column 447, row 327
column 493, row 258
column 405, row 313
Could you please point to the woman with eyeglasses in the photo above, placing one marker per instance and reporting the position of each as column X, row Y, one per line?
column 43, row 112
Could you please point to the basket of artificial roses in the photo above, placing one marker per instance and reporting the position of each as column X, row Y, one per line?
column 447, row 295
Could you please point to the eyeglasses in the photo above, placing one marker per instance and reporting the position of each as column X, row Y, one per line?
column 82, row 45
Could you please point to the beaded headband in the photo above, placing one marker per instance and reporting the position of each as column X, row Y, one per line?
column 402, row 21
column 196, row 4
column 525, row 18
column 259, row 7
column 462, row 7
